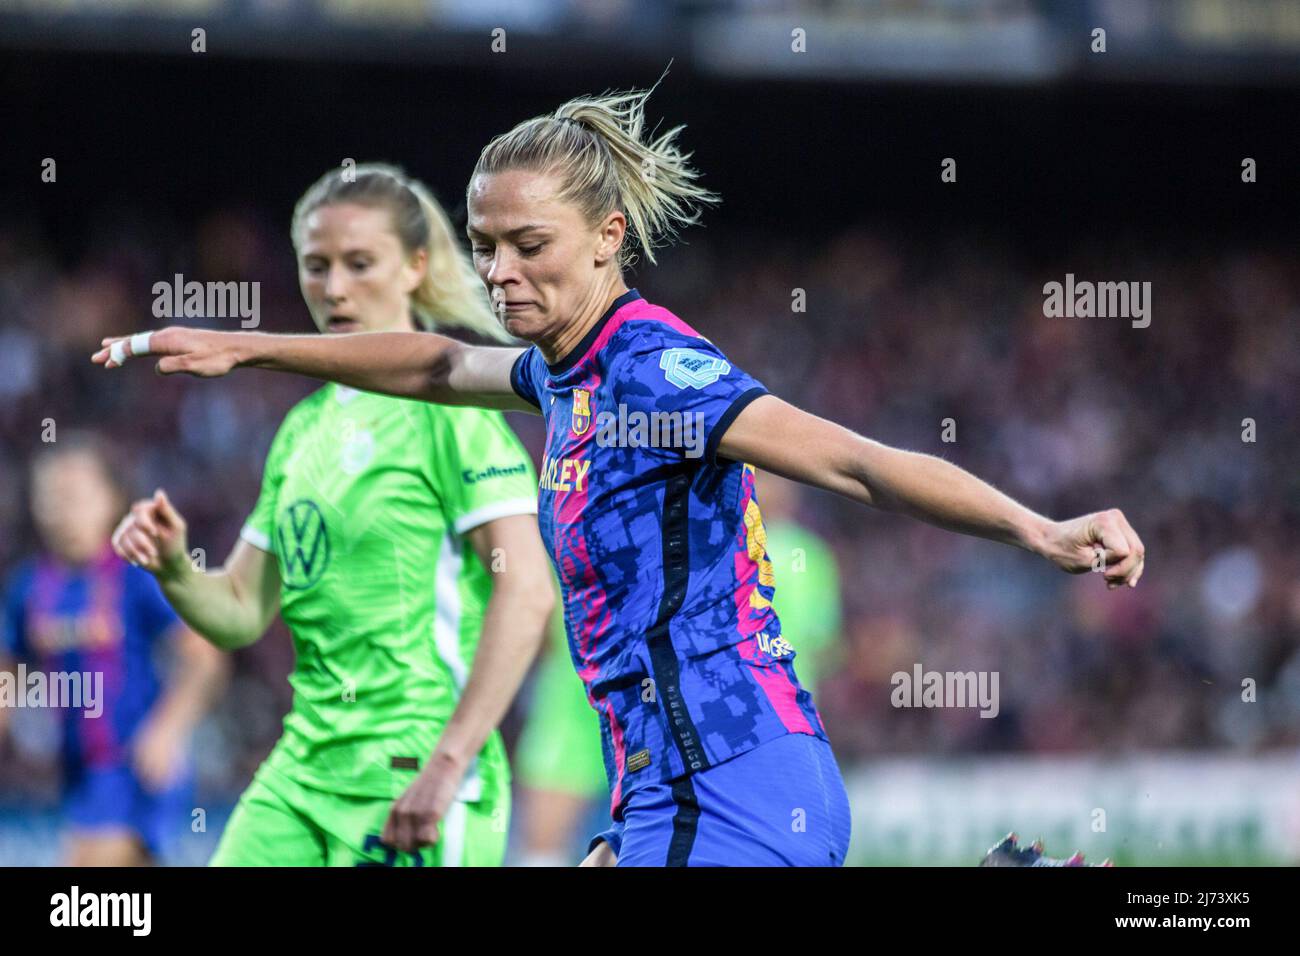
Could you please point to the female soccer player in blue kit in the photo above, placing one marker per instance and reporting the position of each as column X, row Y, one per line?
column 715, row 754
column 78, row 609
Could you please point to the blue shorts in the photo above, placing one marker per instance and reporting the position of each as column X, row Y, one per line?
column 112, row 798
column 780, row 804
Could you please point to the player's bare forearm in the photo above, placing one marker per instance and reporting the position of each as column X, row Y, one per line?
column 777, row 436
column 514, row 628
column 231, row 606
column 415, row 365
column 937, row 491
column 199, row 680
column 793, row 443
column 208, row 602
column 403, row 364
column 159, row 743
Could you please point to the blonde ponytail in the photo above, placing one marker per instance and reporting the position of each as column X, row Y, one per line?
column 450, row 295
column 596, row 145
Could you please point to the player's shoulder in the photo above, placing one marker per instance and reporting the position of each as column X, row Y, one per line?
column 652, row 327
column 469, row 434
column 530, row 357
column 657, row 340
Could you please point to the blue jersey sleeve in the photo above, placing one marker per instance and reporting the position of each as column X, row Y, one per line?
column 525, row 376
column 153, row 615
column 685, row 380
column 13, row 628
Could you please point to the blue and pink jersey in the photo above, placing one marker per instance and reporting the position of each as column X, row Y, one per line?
column 660, row 548
column 104, row 619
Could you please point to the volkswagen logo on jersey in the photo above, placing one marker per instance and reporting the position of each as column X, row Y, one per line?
column 303, row 543
column 581, row 410
column 688, row 368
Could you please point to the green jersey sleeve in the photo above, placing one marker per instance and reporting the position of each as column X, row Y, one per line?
column 479, row 466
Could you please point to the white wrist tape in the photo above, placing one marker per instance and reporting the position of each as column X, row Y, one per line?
column 139, row 346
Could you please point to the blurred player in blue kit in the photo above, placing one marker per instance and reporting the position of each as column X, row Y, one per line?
column 78, row 611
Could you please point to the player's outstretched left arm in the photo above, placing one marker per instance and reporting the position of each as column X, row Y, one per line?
column 773, row 434
column 420, row 365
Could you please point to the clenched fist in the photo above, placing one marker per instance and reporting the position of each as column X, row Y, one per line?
column 1104, row 542
column 152, row 535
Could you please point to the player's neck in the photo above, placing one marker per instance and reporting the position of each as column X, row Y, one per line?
column 568, row 338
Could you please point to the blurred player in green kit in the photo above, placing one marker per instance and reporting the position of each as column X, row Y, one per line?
column 559, row 759
column 399, row 540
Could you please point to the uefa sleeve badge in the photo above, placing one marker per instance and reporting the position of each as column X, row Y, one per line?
column 688, row 368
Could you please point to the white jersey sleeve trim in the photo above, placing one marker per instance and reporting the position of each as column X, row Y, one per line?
column 256, row 538
column 447, row 615
column 498, row 509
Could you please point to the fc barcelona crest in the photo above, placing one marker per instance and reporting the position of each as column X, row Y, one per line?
column 581, row 410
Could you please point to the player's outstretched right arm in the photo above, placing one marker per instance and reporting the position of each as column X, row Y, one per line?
column 420, row 365
column 231, row 606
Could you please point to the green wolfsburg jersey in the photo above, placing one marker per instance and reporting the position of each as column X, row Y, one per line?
column 365, row 503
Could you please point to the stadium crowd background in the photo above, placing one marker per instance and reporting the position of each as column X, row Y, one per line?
column 1059, row 412
column 922, row 302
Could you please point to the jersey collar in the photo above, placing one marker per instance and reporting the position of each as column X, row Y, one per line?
column 579, row 351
